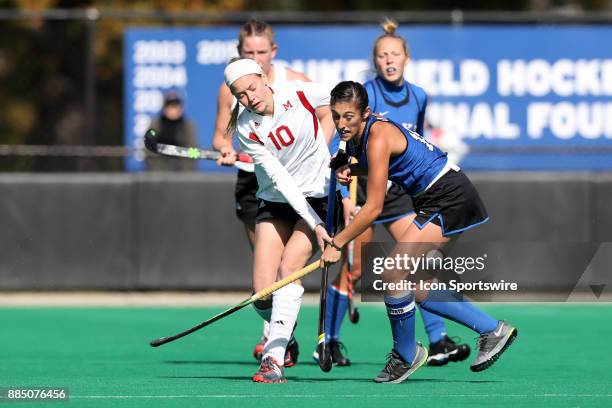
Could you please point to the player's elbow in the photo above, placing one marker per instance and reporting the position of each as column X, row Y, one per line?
column 372, row 211
column 376, row 211
column 218, row 141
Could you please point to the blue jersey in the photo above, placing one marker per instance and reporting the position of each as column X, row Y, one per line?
column 415, row 168
column 403, row 104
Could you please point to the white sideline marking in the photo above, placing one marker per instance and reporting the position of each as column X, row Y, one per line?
column 340, row 396
column 199, row 299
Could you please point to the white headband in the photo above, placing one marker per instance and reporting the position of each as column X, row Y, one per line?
column 240, row 68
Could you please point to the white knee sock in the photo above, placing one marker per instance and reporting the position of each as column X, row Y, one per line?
column 285, row 308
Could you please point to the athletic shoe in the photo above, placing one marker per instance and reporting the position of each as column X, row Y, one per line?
column 446, row 350
column 491, row 345
column 269, row 372
column 291, row 353
column 397, row 370
column 259, row 349
column 336, row 353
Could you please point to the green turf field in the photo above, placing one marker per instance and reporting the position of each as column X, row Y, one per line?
column 560, row 359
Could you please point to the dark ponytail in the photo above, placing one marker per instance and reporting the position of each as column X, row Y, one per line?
column 231, row 125
column 350, row 91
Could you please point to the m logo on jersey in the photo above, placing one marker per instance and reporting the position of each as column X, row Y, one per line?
column 287, row 105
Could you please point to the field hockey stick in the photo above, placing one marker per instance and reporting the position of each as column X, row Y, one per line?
column 243, row 160
column 353, row 312
column 255, row 297
column 325, row 358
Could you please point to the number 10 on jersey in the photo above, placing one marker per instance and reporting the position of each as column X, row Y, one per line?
column 282, row 137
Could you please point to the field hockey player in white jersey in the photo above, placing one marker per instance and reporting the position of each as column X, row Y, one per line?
column 255, row 41
column 285, row 129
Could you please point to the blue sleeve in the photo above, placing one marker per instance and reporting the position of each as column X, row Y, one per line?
column 344, row 191
column 421, row 118
column 369, row 87
column 422, row 102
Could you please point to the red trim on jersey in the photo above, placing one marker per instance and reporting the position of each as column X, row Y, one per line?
column 254, row 138
column 309, row 108
column 270, row 88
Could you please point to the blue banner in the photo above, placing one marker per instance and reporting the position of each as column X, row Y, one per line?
column 520, row 97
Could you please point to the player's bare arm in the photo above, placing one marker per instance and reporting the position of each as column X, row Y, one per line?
column 327, row 124
column 296, row 76
column 222, row 141
column 378, row 165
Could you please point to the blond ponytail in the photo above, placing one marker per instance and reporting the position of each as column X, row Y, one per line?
column 389, row 27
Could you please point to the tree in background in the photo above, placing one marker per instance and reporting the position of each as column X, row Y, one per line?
column 43, row 64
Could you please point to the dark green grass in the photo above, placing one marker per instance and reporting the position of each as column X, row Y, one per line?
column 560, row 359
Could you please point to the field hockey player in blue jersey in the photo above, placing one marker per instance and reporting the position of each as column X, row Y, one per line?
column 446, row 204
column 392, row 97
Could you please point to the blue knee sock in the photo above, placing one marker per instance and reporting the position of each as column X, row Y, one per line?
column 453, row 306
column 434, row 326
column 401, row 316
column 335, row 310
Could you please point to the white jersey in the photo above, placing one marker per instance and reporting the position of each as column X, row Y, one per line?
column 289, row 148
